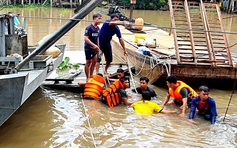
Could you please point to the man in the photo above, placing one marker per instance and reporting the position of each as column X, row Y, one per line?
column 145, row 106
column 109, row 29
column 206, row 106
column 120, row 74
column 144, row 87
column 115, row 93
column 123, row 94
column 181, row 92
column 91, row 44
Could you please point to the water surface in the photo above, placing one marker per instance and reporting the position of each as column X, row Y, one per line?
column 54, row 118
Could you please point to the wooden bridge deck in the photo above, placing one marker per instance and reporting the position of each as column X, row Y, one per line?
column 70, row 81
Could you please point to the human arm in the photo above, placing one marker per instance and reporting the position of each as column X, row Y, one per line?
column 192, row 111
column 125, row 101
column 96, row 47
column 167, row 98
column 121, row 41
column 125, row 23
column 213, row 111
column 138, row 90
column 184, row 93
column 167, row 111
column 124, row 97
column 153, row 93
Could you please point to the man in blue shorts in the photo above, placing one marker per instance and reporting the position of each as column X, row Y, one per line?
column 107, row 31
column 91, row 44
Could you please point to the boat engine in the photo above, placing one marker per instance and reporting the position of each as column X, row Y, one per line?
column 115, row 10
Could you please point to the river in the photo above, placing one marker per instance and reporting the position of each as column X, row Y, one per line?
column 56, row 118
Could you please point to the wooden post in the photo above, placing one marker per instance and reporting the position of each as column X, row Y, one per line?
column 133, row 2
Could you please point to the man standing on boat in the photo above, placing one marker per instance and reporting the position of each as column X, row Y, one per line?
column 91, row 45
column 109, row 29
column 181, row 92
column 206, row 106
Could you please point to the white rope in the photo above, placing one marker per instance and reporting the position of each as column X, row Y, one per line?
column 103, row 68
column 129, row 69
column 88, row 120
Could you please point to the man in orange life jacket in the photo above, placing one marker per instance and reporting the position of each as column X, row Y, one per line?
column 115, row 93
column 181, row 92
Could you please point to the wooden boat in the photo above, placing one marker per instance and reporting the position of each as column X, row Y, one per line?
column 200, row 51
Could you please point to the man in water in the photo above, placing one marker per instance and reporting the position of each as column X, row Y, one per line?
column 181, row 92
column 120, row 74
column 144, row 87
column 147, row 107
column 206, row 106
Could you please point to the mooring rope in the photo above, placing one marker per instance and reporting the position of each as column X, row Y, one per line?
column 130, row 72
column 230, row 96
column 89, row 124
column 103, row 68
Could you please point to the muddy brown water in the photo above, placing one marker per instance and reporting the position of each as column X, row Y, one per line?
column 56, row 118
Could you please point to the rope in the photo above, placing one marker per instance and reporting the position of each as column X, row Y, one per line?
column 230, row 97
column 129, row 69
column 92, row 136
column 103, row 68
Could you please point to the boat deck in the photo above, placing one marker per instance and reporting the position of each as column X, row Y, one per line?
column 71, row 80
column 163, row 60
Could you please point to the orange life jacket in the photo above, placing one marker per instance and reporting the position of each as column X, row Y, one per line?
column 176, row 93
column 94, row 87
column 110, row 96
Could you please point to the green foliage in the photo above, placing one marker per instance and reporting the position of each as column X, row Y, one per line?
column 144, row 4
column 26, row 6
column 66, row 65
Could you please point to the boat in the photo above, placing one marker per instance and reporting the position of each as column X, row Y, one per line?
column 195, row 48
column 17, row 86
column 26, row 68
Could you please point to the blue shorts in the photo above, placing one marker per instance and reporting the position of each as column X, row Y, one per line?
column 107, row 50
column 90, row 53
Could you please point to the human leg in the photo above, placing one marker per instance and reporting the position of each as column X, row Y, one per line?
column 97, row 65
column 87, row 68
column 92, row 66
column 88, row 62
column 108, row 57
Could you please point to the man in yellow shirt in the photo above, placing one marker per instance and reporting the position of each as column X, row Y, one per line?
column 145, row 106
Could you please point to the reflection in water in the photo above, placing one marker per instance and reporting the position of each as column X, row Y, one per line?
column 53, row 118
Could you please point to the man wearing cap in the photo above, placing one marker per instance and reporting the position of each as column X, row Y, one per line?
column 107, row 31
column 205, row 105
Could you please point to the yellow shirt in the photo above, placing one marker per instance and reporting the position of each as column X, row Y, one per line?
column 146, row 107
